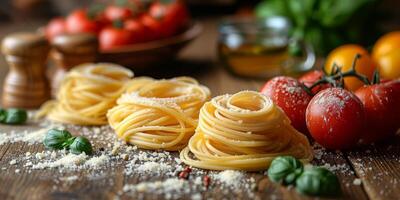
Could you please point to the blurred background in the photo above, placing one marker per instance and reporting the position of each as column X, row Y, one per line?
column 230, row 30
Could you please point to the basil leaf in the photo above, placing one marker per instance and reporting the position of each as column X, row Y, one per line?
column 337, row 12
column 318, row 181
column 3, row 115
column 285, row 169
column 81, row 144
column 55, row 139
column 15, row 116
column 271, row 8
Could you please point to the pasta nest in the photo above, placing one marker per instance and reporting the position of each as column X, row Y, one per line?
column 159, row 114
column 244, row 131
column 86, row 94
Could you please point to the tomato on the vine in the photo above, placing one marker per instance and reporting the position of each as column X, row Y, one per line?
column 335, row 118
column 343, row 57
column 112, row 37
column 55, row 27
column 382, row 110
column 79, row 21
column 389, row 64
column 309, row 78
column 386, row 44
column 289, row 94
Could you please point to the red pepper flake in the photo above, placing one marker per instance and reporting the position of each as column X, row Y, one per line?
column 187, row 169
column 206, row 181
column 183, row 175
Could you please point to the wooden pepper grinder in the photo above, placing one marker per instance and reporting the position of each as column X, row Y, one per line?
column 70, row 50
column 25, row 85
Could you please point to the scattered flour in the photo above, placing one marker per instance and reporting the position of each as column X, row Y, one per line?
column 357, row 181
column 230, row 178
column 29, row 137
column 96, row 162
column 151, row 167
column 68, row 161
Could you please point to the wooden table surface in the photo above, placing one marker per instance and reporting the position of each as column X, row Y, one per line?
column 378, row 167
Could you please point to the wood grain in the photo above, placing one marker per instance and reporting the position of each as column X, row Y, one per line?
column 198, row 60
column 378, row 167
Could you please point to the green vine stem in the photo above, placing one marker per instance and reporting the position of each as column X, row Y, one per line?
column 336, row 78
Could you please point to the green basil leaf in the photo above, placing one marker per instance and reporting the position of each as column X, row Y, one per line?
column 15, row 116
column 298, row 13
column 338, row 12
column 285, row 169
column 268, row 8
column 318, row 181
column 81, row 144
column 3, row 115
column 55, row 139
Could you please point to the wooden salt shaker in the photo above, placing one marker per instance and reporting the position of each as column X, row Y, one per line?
column 70, row 50
column 25, row 85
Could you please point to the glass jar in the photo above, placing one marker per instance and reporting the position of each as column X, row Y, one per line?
column 259, row 48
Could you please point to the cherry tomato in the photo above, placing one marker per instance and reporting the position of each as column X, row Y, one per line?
column 140, row 33
column 386, row 44
column 287, row 93
column 389, row 64
column 80, row 22
column 112, row 37
column 309, row 78
column 113, row 13
column 335, row 118
column 343, row 56
column 173, row 16
column 55, row 27
column 155, row 27
column 382, row 110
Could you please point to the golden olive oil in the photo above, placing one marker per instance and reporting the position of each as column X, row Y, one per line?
column 253, row 60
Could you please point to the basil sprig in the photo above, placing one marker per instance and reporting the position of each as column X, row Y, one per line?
column 62, row 139
column 315, row 181
column 285, row 169
column 321, row 22
column 318, row 181
column 81, row 144
column 13, row 116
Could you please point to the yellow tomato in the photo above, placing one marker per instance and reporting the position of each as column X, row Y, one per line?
column 343, row 56
column 389, row 64
column 386, row 44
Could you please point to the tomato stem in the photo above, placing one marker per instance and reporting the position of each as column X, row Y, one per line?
column 118, row 23
column 336, row 77
column 376, row 79
column 94, row 10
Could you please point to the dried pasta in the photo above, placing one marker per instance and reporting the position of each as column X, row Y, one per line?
column 87, row 93
column 244, row 131
column 160, row 114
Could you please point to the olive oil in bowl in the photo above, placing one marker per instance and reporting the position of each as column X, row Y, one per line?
column 259, row 48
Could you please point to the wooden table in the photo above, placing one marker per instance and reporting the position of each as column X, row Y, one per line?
column 378, row 167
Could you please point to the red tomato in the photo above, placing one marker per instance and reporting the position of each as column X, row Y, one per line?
column 80, row 22
column 155, row 27
column 311, row 77
column 140, row 33
column 173, row 16
column 382, row 110
column 55, row 27
column 335, row 118
column 287, row 93
column 111, row 37
column 113, row 13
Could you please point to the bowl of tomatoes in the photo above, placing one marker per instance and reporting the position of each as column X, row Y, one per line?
column 132, row 33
